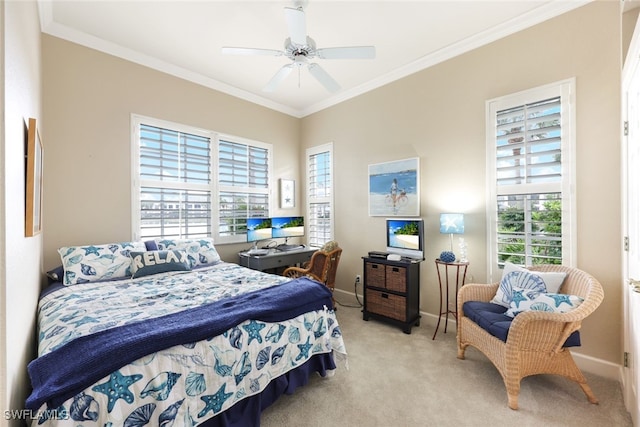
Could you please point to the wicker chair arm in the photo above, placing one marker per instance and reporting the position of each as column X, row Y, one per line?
column 541, row 331
column 295, row 272
column 547, row 331
column 540, row 327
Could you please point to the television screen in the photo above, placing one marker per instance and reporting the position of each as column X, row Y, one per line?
column 258, row 229
column 288, row 226
column 406, row 237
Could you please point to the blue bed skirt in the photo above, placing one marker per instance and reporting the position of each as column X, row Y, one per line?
column 246, row 413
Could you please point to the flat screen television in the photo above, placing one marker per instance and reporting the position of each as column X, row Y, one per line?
column 258, row 229
column 287, row 227
column 405, row 237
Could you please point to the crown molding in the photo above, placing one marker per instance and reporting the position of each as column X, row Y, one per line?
column 529, row 19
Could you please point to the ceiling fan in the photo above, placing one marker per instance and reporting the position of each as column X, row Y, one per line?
column 300, row 48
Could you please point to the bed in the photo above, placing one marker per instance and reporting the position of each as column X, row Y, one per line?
column 202, row 342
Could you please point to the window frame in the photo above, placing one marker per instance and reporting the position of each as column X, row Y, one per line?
column 565, row 89
column 310, row 200
column 214, row 187
column 240, row 238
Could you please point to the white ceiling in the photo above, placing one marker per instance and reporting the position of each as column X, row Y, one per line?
column 184, row 38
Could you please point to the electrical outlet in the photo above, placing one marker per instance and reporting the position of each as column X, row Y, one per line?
column 357, row 278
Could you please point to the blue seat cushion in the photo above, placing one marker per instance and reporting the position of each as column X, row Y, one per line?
column 492, row 319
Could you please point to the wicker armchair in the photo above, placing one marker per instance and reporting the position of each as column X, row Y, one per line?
column 535, row 340
column 322, row 266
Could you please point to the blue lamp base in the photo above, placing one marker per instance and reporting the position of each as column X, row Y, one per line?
column 447, row 256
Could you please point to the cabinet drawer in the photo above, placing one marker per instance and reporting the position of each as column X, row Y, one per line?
column 389, row 305
column 396, row 278
column 375, row 275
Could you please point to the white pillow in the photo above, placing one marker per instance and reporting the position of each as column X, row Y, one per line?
column 526, row 300
column 94, row 263
column 516, row 276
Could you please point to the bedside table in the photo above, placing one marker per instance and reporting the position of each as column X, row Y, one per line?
column 460, row 270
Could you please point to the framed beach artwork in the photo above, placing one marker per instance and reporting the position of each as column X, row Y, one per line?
column 394, row 188
column 33, row 201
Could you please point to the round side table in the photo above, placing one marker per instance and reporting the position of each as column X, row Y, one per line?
column 460, row 270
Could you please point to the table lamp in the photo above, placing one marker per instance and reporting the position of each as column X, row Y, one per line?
column 451, row 223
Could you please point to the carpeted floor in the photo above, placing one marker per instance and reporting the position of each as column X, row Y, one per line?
column 394, row 379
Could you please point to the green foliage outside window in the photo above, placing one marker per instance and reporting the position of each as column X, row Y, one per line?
column 537, row 240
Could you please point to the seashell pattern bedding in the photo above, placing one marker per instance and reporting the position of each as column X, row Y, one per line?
column 184, row 384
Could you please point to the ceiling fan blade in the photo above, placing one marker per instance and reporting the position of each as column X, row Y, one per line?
column 296, row 25
column 278, row 78
column 355, row 52
column 251, row 51
column 324, row 78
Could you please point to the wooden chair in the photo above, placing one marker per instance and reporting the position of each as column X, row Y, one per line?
column 535, row 340
column 322, row 266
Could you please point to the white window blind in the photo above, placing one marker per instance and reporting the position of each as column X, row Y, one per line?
column 243, row 182
column 191, row 183
column 530, row 152
column 320, row 195
column 175, row 183
column 529, row 144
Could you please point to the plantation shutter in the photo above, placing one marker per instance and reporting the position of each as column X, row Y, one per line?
column 243, row 183
column 528, row 147
column 175, row 183
column 319, row 193
column 529, row 183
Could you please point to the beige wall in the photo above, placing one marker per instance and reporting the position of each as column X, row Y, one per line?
column 629, row 20
column 20, row 257
column 88, row 99
column 439, row 115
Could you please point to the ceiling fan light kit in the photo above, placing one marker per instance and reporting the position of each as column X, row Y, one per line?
column 300, row 48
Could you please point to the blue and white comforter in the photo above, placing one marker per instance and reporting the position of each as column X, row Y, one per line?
column 187, row 383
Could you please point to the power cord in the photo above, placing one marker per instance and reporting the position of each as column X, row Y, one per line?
column 355, row 286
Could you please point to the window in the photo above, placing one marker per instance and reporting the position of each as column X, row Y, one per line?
column 530, row 156
column 320, row 194
column 191, row 183
column 243, row 184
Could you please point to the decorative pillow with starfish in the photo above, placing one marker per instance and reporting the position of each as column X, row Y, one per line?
column 528, row 299
column 514, row 276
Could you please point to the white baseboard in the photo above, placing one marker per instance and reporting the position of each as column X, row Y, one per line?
column 598, row 366
column 586, row 363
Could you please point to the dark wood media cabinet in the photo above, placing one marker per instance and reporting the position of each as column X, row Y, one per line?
column 392, row 292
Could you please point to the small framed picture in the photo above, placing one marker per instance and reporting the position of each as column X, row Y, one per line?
column 287, row 193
